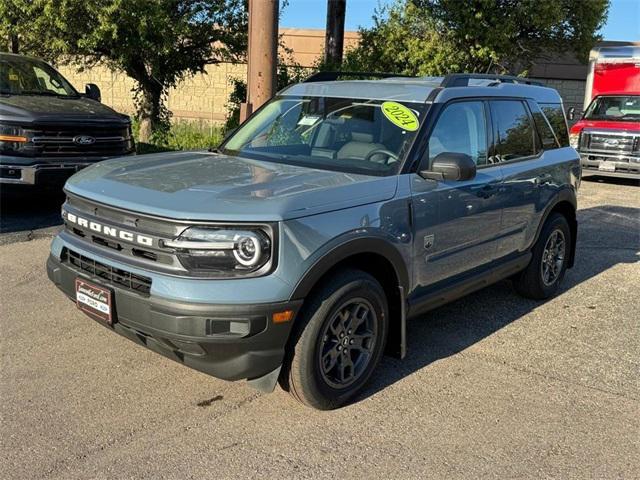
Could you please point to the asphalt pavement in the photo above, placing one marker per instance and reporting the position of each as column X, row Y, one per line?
column 493, row 386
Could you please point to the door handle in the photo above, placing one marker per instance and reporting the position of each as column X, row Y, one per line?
column 543, row 179
column 486, row 192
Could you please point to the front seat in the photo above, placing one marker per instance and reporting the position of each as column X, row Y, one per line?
column 360, row 145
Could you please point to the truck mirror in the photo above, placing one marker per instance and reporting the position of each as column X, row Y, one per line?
column 92, row 91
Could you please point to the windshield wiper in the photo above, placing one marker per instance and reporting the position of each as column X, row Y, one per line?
column 45, row 93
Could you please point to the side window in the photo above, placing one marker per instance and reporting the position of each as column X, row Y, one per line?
column 555, row 115
column 547, row 136
column 461, row 128
column 515, row 133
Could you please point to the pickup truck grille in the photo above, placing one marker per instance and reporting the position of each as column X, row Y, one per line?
column 113, row 276
column 63, row 141
column 610, row 143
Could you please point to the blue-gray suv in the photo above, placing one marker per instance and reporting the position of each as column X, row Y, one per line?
column 297, row 250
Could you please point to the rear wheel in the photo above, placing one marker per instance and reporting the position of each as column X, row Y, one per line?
column 541, row 279
column 338, row 340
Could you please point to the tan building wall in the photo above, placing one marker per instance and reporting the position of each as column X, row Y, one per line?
column 204, row 96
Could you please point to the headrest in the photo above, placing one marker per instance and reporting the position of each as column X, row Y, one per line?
column 362, row 137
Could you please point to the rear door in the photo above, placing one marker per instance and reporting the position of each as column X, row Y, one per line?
column 525, row 171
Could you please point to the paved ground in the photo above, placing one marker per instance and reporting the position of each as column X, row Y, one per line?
column 494, row 386
column 27, row 213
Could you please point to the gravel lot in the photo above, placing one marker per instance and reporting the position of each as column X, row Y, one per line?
column 493, row 386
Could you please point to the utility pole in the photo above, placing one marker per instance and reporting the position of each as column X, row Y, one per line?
column 262, row 55
column 334, row 34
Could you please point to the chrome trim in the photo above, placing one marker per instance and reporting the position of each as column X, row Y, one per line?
column 28, row 173
column 196, row 245
column 58, row 140
column 622, row 133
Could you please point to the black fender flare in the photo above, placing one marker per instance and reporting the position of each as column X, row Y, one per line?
column 343, row 248
column 565, row 195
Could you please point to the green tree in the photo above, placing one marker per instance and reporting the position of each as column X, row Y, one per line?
column 514, row 33
column 155, row 42
column 403, row 40
column 435, row 37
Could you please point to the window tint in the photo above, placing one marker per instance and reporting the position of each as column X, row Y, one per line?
column 547, row 137
column 461, row 128
column 515, row 133
column 555, row 115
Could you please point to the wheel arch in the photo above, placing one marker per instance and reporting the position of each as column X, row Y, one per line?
column 381, row 259
column 565, row 204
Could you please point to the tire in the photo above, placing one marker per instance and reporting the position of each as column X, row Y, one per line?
column 328, row 361
column 539, row 281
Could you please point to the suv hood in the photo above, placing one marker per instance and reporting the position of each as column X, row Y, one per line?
column 210, row 186
column 26, row 109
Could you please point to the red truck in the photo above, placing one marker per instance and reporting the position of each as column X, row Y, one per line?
column 608, row 134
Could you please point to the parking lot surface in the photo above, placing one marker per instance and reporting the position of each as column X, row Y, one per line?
column 493, row 386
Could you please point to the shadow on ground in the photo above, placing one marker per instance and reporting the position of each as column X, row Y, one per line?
column 608, row 235
column 25, row 209
column 612, row 180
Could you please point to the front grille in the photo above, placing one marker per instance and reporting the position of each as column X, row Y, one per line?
column 58, row 141
column 114, row 276
column 610, row 143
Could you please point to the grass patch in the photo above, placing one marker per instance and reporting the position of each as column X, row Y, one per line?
column 183, row 135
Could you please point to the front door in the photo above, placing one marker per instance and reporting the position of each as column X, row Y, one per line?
column 457, row 223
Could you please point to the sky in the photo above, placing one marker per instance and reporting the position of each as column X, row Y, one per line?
column 623, row 22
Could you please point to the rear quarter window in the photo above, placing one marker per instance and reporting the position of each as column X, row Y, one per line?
column 556, row 118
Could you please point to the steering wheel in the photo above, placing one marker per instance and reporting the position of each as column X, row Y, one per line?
column 391, row 156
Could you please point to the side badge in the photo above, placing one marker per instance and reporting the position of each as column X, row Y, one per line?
column 428, row 241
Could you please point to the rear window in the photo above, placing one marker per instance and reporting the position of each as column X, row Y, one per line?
column 555, row 115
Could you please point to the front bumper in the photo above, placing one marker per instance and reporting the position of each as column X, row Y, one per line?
column 620, row 166
column 230, row 342
column 42, row 171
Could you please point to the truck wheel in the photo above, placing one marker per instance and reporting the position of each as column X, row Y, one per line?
column 338, row 341
column 548, row 265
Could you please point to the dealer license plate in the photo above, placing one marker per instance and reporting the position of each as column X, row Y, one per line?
column 94, row 300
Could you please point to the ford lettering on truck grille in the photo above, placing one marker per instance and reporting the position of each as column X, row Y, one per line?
column 107, row 230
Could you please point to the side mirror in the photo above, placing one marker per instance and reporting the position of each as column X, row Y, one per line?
column 92, row 91
column 571, row 114
column 451, row 166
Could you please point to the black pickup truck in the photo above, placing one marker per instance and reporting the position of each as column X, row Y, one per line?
column 48, row 130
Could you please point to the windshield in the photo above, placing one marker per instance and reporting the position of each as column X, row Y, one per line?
column 26, row 76
column 618, row 107
column 343, row 134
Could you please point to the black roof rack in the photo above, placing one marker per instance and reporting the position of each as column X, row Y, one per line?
column 331, row 76
column 451, row 80
column 462, row 79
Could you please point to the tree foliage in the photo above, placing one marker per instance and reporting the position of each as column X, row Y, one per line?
column 155, row 42
column 435, row 37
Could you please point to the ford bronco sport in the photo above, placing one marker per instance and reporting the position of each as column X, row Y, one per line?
column 297, row 250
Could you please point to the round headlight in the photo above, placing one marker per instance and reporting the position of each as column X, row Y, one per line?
column 248, row 250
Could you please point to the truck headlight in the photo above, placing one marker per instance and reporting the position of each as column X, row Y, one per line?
column 574, row 140
column 223, row 250
column 12, row 139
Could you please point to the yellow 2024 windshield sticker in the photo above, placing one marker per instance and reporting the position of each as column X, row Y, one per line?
column 400, row 116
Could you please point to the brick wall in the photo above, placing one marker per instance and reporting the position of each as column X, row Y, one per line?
column 202, row 97
column 571, row 91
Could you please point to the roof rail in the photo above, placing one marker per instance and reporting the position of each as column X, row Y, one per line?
column 462, row 79
column 331, row 76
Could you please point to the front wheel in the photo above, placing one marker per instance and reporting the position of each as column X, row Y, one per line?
column 541, row 279
column 338, row 341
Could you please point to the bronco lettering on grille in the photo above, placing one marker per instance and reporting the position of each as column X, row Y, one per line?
column 109, row 231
